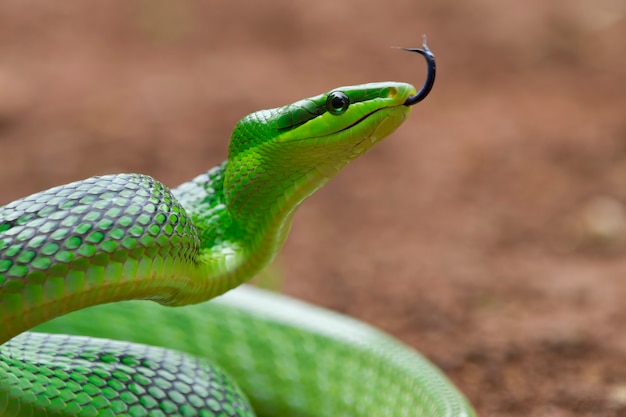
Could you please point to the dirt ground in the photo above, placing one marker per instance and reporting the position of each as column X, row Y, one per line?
column 489, row 232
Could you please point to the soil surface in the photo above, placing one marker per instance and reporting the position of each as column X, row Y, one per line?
column 489, row 232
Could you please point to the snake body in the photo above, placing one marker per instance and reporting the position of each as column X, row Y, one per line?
column 128, row 237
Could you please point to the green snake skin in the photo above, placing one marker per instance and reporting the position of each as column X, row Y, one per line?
column 123, row 237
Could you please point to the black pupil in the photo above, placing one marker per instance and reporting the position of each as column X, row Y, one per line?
column 338, row 102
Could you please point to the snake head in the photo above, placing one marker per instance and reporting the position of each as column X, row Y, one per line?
column 281, row 156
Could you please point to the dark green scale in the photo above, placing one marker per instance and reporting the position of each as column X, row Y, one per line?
column 59, row 375
column 108, row 213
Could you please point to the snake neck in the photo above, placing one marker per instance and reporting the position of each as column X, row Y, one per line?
column 240, row 232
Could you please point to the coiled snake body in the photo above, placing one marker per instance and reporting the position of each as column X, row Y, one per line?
column 127, row 237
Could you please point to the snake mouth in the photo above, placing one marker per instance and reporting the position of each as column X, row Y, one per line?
column 409, row 95
column 363, row 118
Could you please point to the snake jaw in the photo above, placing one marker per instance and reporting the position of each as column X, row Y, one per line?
column 329, row 170
column 390, row 119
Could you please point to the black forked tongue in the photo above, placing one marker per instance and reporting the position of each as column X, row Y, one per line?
column 430, row 76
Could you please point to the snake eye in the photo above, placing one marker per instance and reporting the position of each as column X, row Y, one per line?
column 337, row 103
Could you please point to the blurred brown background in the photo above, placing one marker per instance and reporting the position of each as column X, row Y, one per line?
column 489, row 232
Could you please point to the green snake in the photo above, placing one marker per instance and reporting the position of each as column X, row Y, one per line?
column 84, row 245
